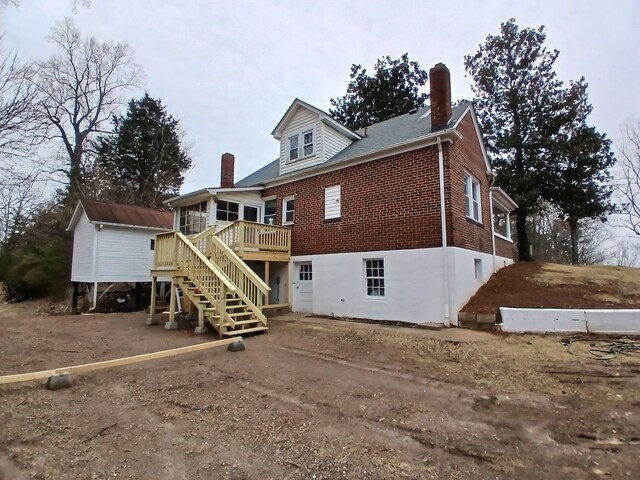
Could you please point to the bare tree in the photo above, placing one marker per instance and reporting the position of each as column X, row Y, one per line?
column 627, row 253
column 20, row 197
column 629, row 186
column 81, row 88
column 18, row 116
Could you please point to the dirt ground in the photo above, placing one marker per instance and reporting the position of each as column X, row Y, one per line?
column 549, row 285
column 313, row 399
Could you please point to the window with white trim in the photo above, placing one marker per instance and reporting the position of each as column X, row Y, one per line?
column 501, row 221
column 270, row 211
column 332, row 202
column 307, row 142
column 301, row 145
column 374, row 277
column 227, row 211
column 193, row 218
column 293, row 147
column 305, row 273
column 472, row 198
column 288, row 210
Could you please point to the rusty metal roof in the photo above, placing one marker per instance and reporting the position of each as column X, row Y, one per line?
column 127, row 215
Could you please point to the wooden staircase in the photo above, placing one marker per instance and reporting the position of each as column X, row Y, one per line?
column 225, row 291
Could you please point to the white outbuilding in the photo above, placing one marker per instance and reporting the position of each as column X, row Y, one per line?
column 113, row 243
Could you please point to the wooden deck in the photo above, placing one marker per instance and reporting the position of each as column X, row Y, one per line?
column 257, row 241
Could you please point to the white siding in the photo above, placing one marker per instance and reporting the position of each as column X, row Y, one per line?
column 253, row 199
column 124, row 254
column 303, row 120
column 83, row 250
column 332, row 202
column 333, row 142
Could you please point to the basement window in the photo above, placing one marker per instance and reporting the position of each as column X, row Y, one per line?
column 477, row 265
column 374, row 277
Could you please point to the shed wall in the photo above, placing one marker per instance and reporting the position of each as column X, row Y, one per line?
column 83, row 250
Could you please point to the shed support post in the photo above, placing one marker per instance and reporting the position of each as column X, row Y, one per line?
column 74, row 298
column 152, row 307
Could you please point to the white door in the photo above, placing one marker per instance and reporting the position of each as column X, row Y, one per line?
column 303, row 287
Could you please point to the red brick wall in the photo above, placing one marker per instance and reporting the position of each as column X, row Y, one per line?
column 387, row 204
column 392, row 203
column 465, row 155
column 504, row 248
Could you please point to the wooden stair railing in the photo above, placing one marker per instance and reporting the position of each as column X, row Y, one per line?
column 250, row 287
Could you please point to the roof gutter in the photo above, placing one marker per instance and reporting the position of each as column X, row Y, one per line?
column 443, row 227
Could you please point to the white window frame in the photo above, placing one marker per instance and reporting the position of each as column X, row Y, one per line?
column 306, row 144
column 297, row 152
column 377, row 280
column 264, row 210
column 193, row 218
column 501, row 209
column 285, row 211
column 473, row 198
column 293, row 149
column 228, row 211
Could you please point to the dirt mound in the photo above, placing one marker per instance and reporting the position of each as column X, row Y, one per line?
column 549, row 285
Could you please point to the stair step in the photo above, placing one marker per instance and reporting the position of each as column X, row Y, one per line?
column 247, row 322
column 246, row 330
column 235, row 306
column 240, row 314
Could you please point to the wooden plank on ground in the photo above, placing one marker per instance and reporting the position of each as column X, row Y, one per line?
column 89, row 367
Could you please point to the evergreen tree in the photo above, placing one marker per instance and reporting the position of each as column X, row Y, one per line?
column 145, row 160
column 393, row 90
column 580, row 168
column 521, row 107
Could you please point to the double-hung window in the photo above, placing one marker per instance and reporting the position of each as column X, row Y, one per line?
column 374, row 277
column 270, row 211
column 472, row 198
column 288, row 210
column 301, row 145
column 293, row 147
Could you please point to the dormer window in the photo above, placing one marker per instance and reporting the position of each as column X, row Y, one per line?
column 293, row 147
column 308, row 142
column 304, row 140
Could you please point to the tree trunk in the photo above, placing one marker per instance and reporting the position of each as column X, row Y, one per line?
column 524, row 253
column 573, row 228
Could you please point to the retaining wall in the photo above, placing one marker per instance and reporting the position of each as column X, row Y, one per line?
column 550, row 320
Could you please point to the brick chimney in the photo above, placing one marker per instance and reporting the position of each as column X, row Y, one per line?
column 226, row 170
column 440, row 86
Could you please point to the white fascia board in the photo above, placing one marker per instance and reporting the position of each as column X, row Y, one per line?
column 449, row 135
column 476, row 126
column 503, row 199
column 297, row 103
column 236, row 189
column 77, row 212
column 203, row 192
column 127, row 225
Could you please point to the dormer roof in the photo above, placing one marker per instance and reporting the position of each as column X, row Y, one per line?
column 324, row 118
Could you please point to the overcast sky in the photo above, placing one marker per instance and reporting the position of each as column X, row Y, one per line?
column 229, row 70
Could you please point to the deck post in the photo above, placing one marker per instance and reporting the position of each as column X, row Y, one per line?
column 152, row 307
column 171, row 324
column 266, row 280
column 240, row 238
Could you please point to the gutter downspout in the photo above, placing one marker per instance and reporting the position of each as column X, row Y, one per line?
column 443, row 227
column 493, row 233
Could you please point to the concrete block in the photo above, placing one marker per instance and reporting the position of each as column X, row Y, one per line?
column 152, row 321
column 237, row 346
column 466, row 316
column 624, row 322
column 200, row 330
column 486, row 318
column 171, row 325
column 57, row 382
column 543, row 320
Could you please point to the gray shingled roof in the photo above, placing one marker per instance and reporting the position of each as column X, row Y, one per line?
column 379, row 136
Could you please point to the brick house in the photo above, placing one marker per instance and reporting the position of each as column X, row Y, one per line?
column 397, row 221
